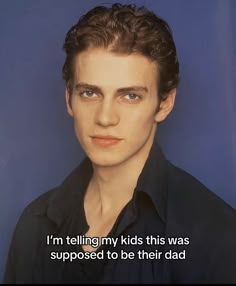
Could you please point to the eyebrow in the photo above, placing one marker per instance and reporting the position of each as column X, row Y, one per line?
column 97, row 89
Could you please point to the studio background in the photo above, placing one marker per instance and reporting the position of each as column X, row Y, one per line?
column 38, row 148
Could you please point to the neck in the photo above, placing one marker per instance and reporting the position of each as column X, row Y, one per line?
column 112, row 187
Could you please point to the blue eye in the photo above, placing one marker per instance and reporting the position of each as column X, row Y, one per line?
column 87, row 93
column 132, row 96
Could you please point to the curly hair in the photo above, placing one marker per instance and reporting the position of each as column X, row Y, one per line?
column 124, row 29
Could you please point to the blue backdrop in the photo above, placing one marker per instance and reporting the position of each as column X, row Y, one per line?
column 38, row 147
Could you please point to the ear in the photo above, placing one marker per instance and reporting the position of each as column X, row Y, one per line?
column 68, row 103
column 166, row 106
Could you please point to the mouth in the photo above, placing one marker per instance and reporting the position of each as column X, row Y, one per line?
column 105, row 140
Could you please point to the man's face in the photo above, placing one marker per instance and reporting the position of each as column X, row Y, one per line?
column 114, row 103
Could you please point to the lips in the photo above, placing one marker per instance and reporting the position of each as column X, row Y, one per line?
column 106, row 137
column 105, row 140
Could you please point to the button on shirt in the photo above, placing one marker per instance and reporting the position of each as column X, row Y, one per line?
column 193, row 232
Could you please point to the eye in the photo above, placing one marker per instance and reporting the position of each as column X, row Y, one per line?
column 132, row 97
column 87, row 94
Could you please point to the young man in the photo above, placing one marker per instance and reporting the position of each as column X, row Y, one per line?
column 121, row 74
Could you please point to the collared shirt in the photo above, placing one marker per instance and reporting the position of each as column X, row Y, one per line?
column 176, row 230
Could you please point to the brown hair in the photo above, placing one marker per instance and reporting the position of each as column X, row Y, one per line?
column 124, row 29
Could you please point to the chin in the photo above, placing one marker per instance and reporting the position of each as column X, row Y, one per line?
column 105, row 160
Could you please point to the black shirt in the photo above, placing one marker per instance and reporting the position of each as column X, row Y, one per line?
column 168, row 204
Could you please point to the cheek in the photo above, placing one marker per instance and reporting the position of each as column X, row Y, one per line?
column 81, row 123
column 138, row 129
column 141, row 121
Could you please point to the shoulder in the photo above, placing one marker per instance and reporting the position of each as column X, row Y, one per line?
column 48, row 211
column 191, row 199
column 30, row 232
column 39, row 205
column 196, row 212
column 33, row 220
column 45, row 215
column 188, row 188
column 51, row 206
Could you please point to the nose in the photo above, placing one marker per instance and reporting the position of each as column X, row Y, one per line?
column 106, row 114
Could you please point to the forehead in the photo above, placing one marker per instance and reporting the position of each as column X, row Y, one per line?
column 101, row 67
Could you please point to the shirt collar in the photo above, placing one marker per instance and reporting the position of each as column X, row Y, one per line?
column 69, row 196
column 153, row 179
